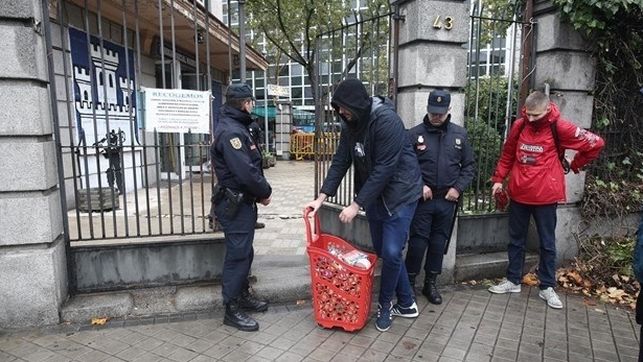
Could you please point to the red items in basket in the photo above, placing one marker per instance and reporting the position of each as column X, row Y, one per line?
column 341, row 292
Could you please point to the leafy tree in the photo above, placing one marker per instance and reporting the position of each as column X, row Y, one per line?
column 292, row 27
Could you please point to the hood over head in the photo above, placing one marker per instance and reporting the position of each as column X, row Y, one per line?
column 351, row 95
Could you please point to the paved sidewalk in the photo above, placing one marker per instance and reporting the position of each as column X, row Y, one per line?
column 471, row 325
column 293, row 184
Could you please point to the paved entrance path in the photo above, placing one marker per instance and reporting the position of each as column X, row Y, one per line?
column 471, row 325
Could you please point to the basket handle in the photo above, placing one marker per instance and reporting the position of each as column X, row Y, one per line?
column 311, row 235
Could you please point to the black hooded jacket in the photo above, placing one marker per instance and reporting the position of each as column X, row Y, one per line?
column 375, row 142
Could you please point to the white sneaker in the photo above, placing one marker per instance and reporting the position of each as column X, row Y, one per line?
column 505, row 287
column 551, row 297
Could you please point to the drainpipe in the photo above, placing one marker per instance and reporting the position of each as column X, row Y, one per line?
column 242, row 41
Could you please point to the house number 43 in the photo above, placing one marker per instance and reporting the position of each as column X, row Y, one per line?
column 447, row 23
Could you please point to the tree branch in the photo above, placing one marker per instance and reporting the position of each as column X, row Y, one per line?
column 285, row 32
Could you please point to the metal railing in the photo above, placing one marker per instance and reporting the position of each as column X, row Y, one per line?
column 491, row 95
column 360, row 49
column 122, row 180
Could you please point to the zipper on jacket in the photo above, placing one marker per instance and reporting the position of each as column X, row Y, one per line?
column 386, row 207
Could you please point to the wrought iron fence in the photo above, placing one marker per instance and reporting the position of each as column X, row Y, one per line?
column 491, row 95
column 123, row 179
column 359, row 49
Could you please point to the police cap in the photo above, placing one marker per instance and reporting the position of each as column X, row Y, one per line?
column 239, row 90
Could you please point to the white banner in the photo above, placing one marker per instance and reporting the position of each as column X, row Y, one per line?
column 177, row 110
column 277, row 90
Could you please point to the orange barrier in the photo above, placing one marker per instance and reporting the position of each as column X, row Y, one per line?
column 302, row 145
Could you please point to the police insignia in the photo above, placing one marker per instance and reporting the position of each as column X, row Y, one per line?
column 420, row 139
column 236, row 143
column 458, row 141
column 439, row 100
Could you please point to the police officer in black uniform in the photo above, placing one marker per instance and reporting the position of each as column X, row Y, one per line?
column 241, row 185
column 447, row 164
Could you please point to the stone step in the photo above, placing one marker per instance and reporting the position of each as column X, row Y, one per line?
column 280, row 279
column 489, row 265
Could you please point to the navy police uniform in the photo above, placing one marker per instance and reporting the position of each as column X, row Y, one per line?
column 446, row 160
column 241, row 183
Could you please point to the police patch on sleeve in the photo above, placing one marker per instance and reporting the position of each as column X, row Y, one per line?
column 236, row 143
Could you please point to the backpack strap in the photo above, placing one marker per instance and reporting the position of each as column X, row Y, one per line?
column 559, row 150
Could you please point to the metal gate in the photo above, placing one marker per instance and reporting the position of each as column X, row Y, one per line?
column 121, row 178
column 499, row 70
column 362, row 49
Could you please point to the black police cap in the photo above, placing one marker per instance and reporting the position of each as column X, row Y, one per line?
column 239, row 90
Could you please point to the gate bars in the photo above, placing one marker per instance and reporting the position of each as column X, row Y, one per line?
column 131, row 192
column 360, row 49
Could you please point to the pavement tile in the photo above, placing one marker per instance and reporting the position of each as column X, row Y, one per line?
column 406, row 347
column 131, row 353
column 528, row 357
column 269, row 352
column 283, row 343
column 372, row 356
column 605, row 355
column 554, row 353
column 236, row 355
column 321, row 354
column 505, row 353
column 289, row 357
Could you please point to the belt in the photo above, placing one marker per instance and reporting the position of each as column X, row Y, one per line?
column 223, row 191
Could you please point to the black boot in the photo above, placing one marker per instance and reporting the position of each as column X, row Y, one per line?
column 249, row 302
column 235, row 317
column 430, row 290
column 412, row 281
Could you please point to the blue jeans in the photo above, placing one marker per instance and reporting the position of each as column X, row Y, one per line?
column 389, row 234
column 545, row 217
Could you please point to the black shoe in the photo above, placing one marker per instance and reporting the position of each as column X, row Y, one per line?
column 235, row 317
column 249, row 302
column 430, row 290
column 259, row 225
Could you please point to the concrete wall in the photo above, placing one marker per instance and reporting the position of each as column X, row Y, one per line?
column 115, row 267
column 33, row 268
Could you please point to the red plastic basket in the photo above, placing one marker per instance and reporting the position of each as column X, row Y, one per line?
column 341, row 292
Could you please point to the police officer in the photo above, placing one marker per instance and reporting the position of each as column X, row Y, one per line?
column 241, row 184
column 447, row 164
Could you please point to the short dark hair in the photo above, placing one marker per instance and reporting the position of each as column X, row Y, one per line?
column 237, row 102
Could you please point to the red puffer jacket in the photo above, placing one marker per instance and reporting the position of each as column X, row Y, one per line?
column 530, row 155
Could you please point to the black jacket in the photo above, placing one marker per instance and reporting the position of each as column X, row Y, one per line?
column 445, row 155
column 236, row 157
column 386, row 169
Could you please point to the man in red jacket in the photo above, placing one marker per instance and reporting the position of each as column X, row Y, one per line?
column 532, row 157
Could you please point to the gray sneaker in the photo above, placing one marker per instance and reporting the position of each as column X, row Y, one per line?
column 551, row 297
column 505, row 287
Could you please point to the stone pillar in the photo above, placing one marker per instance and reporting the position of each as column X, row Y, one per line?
column 563, row 60
column 432, row 54
column 33, row 268
column 283, row 126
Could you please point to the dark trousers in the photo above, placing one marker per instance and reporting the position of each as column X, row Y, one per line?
column 430, row 230
column 545, row 217
column 239, row 234
column 389, row 233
